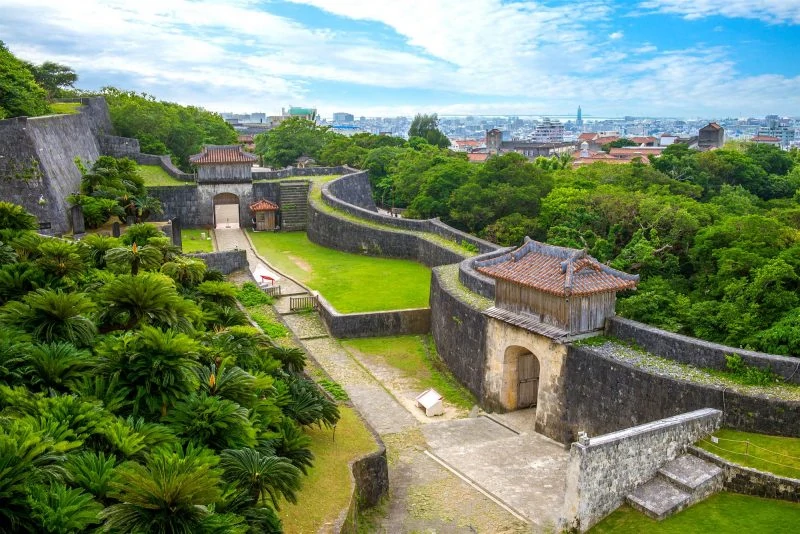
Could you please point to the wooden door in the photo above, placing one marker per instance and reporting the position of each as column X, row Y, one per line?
column 528, row 387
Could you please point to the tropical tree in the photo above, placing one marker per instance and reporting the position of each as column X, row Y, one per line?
column 213, row 422
column 131, row 259
column 57, row 509
column 13, row 216
column 60, row 258
column 185, row 271
column 292, row 138
column 92, row 471
column 52, row 315
column 53, row 77
column 427, row 127
column 150, row 298
column 19, row 92
column 96, row 246
column 57, row 365
column 261, row 476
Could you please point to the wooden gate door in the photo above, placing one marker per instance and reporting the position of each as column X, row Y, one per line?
column 528, row 387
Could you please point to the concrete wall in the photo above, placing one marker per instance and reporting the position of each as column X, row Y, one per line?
column 601, row 473
column 459, row 331
column 604, row 395
column 740, row 479
column 49, row 146
column 697, row 352
column 501, row 381
column 375, row 324
column 226, row 261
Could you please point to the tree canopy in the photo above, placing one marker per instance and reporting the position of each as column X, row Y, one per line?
column 19, row 93
column 427, row 127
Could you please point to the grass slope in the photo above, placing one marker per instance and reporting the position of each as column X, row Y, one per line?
column 191, row 242
column 65, row 108
column 155, row 176
column 327, row 488
column 722, row 513
column 414, row 357
column 763, row 453
column 350, row 282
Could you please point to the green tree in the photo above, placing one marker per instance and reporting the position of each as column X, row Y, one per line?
column 53, row 77
column 57, row 509
column 148, row 299
column 52, row 315
column 427, row 128
column 261, row 476
column 14, row 217
column 292, row 138
column 19, row 92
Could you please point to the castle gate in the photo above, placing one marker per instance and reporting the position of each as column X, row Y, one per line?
column 226, row 210
column 527, row 379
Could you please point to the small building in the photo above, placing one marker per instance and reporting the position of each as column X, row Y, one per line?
column 305, row 161
column 556, row 291
column 766, row 140
column 711, row 136
column 224, row 164
column 265, row 215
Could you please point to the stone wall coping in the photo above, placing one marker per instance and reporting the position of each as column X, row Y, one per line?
column 615, row 438
column 724, row 462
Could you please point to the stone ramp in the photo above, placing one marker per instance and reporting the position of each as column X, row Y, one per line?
column 678, row 484
column 526, row 472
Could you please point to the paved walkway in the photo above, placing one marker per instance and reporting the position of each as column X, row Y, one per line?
column 464, row 475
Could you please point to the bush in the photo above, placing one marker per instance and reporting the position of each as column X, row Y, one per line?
column 140, row 233
column 250, row 295
column 15, row 217
column 748, row 374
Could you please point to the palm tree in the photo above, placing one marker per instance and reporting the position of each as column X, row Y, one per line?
column 52, row 315
column 60, row 258
column 131, row 259
column 292, row 359
column 293, row 444
column 159, row 367
column 57, row 509
column 92, row 471
column 57, row 365
column 150, row 298
column 186, row 271
column 261, row 475
column 212, row 422
column 172, row 493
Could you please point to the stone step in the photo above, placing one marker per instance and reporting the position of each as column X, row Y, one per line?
column 659, row 499
column 692, row 474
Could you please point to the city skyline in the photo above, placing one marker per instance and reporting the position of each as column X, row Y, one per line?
column 657, row 58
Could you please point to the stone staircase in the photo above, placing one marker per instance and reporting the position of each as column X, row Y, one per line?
column 679, row 484
column 294, row 204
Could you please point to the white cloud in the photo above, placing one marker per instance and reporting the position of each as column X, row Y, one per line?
column 772, row 11
column 616, row 35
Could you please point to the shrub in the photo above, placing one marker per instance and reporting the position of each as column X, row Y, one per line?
column 16, row 217
column 250, row 295
column 748, row 374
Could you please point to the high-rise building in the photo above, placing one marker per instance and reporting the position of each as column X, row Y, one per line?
column 579, row 122
column 343, row 117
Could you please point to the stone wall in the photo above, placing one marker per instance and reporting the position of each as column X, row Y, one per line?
column 330, row 230
column 697, row 352
column 375, row 324
column 226, row 261
column 289, row 172
column 459, row 331
column 604, row 395
column 182, row 202
column 119, row 147
column 163, row 161
column 48, row 146
column 602, row 472
column 740, row 479
column 476, row 282
column 355, row 189
column 434, row 226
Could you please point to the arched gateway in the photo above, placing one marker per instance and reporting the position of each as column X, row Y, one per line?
column 523, row 368
column 226, row 210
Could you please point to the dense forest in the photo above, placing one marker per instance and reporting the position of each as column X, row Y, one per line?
column 714, row 235
column 135, row 396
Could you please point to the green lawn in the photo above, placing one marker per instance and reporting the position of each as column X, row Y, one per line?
column 720, row 514
column 415, row 356
column 65, row 108
column 350, row 282
column 190, row 238
column 155, row 176
column 763, row 452
column 327, row 488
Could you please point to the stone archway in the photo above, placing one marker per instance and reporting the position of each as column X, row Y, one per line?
column 521, row 377
column 226, row 210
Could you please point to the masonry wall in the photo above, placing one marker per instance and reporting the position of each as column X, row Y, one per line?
column 355, row 189
column 375, row 324
column 459, row 331
column 163, row 161
column 747, row 481
column 697, row 352
column 605, row 395
column 226, row 261
column 601, row 473
column 182, row 202
column 289, row 172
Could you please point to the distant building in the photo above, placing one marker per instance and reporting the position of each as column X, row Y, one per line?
column 529, row 149
column 784, row 133
column 579, row 121
column 304, row 113
column 766, row 140
column 667, row 139
column 548, row 132
column 343, row 117
column 711, row 136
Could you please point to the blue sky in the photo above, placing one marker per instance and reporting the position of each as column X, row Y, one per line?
column 684, row 58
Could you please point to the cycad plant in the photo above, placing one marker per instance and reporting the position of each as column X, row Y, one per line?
column 57, row 365
column 133, row 258
column 185, row 271
column 52, row 315
column 57, row 509
column 212, row 422
column 96, row 246
column 92, row 471
column 60, row 259
column 261, row 476
column 150, row 298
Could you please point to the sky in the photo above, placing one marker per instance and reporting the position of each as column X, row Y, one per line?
column 672, row 58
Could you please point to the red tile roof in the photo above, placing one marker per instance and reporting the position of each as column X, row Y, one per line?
column 214, row 154
column 643, row 140
column 477, row 157
column 587, row 136
column 264, row 205
column 555, row 270
column 765, row 139
column 712, row 125
column 606, row 140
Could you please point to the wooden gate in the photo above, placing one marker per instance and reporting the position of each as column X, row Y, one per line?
column 528, row 387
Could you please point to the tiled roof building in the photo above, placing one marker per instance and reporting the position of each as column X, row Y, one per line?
column 215, row 154
column 224, row 164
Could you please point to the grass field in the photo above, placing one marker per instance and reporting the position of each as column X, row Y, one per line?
column 415, row 357
column 327, row 488
column 155, row 176
column 722, row 513
column 190, row 239
column 350, row 282
column 763, row 452
column 65, row 108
